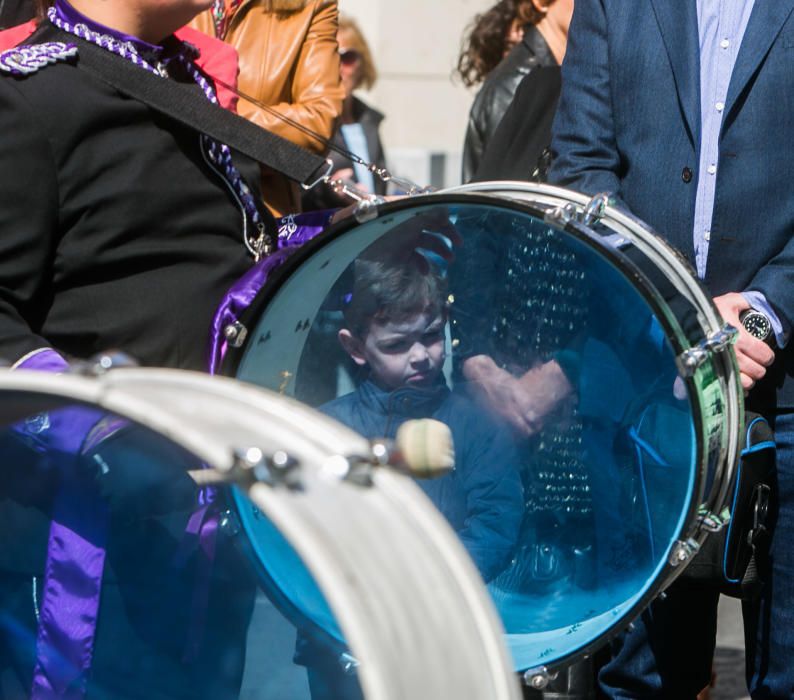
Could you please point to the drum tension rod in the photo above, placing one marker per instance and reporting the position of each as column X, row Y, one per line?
column 689, row 360
column 539, row 678
column 590, row 214
column 683, row 551
column 278, row 469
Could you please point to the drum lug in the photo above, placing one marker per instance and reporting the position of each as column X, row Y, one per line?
column 229, row 523
column 235, row 334
column 367, row 209
column 278, row 469
column 594, row 209
column 689, row 360
column 562, row 215
column 349, row 664
column 592, row 213
column 683, row 551
column 99, row 364
column 539, row 678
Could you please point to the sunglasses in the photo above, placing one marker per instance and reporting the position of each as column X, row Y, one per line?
column 349, row 57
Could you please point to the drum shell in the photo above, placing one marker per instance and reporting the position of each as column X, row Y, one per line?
column 660, row 274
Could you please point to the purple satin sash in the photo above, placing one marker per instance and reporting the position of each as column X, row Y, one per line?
column 75, row 553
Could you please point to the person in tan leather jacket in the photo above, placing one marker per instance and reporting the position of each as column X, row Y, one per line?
column 289, row 60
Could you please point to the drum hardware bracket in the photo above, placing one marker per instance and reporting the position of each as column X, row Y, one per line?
column 235, row 334
column 367, row 209
column 562, row 215
column 229, row 523
column 539, row 678
column 682, row 552
column 594, row 209
column 689, row 360
column 278, row 469
column 349, row 663
column 592, row 212
column 98, row 365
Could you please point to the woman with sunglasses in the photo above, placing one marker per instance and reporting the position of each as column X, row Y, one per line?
column 360, row 123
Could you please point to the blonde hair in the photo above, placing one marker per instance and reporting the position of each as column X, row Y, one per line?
column 369, row 74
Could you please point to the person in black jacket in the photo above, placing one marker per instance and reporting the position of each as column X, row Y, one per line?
column 545, row 31
column 121, row 228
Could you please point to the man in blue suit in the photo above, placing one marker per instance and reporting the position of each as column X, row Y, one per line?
column 684, row 109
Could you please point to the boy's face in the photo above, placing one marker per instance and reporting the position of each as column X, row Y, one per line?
column 408, row 352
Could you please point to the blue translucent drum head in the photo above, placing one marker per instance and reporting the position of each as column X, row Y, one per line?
column 549, row 351
column 181, row 613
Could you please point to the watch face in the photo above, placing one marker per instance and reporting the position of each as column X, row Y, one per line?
column 757, row 325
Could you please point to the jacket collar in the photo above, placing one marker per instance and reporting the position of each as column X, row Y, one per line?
column 766, row 21
column 405, row 402
column 678, row 23
column 536, row 45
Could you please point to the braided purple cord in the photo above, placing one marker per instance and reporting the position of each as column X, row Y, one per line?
column 218, row 153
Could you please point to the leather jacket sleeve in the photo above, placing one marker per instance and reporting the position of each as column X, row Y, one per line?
column 316, row 92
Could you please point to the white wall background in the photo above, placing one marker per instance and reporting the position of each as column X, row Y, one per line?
column 415, row 44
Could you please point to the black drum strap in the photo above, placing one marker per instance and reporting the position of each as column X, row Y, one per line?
column 189, row 107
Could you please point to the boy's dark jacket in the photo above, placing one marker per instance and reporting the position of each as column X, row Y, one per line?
column 483, row 497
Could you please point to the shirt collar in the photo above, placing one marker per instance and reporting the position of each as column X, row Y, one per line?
column 70, row 15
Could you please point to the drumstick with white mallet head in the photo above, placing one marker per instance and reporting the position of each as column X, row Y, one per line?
column 422, row 449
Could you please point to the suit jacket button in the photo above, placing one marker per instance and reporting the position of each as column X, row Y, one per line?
column 686, row 175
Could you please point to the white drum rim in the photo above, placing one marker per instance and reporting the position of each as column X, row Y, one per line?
column 381, row 678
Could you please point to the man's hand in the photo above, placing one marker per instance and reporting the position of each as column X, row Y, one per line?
column 526, row 402
column 753, row 355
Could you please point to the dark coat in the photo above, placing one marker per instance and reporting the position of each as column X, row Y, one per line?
column 497, row 93
column 116, row 231
column 629, row 123
column 482, row 498
column 518, row 147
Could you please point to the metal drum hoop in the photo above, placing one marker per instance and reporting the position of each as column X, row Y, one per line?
column 380, row 532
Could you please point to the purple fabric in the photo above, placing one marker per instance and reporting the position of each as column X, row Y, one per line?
column 47, row 360
column 294, row 231
column 202, row 531
column 72, row 584
column 76, row 548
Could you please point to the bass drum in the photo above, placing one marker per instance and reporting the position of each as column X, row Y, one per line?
column 584, row 373
column 115, row 459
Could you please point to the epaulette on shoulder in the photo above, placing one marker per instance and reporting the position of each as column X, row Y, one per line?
column 30, row 58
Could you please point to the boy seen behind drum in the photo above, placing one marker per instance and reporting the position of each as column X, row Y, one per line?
column 395, row 329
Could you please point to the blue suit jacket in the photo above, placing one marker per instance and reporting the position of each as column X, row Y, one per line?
column 629, row 123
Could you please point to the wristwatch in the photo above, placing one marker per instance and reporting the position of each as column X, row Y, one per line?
column 758, row 325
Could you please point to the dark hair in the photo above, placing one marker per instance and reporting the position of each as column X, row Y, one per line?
column 386, row 291
column 485, row 39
